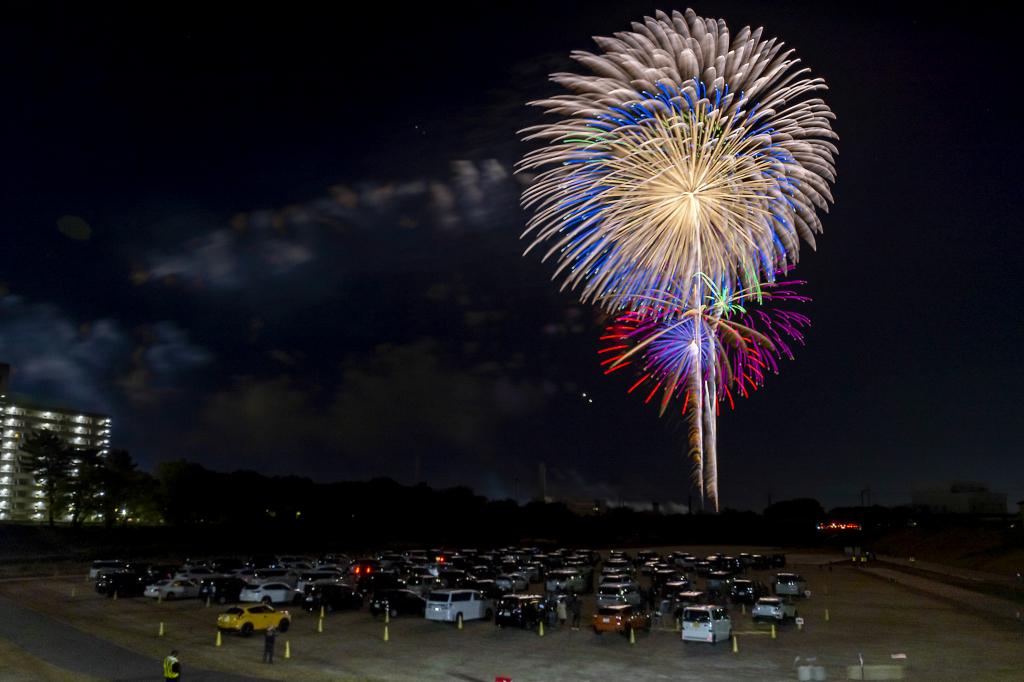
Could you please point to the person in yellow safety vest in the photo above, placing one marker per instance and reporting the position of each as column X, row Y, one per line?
column 172, row 669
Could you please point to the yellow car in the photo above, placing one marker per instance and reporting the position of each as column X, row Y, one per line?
column 248, row 617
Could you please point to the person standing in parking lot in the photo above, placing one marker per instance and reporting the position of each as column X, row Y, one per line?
column 575, row 607
column 268, row 644
column 562, row 614
column 172, row 668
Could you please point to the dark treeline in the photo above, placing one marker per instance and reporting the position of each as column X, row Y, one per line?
column 186, row 508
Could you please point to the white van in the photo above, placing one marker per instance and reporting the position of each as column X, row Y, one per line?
column 448, row 605
column 708, row 623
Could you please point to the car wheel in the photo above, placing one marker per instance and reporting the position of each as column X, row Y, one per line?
column 488, row 614
column 169, row 596
column 266, row 600
column 283, row 625
column 246, row 629
column 393, row 611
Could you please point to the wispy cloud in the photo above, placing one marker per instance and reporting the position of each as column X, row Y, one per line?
column 90, row 364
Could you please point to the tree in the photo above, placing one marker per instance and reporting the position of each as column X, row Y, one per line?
column 50, row 461
column 119, row 484
column 85, row 483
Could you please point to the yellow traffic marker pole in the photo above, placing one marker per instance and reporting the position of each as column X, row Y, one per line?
column 159, row 597
column 387, row 616
column 540, row 629
column 207, row 601
column 743, row 608
column 287, row 649
column 115, row 595
column 679, row 624
column 735, row 644
column 218, row 643
column 387, row 635
column 160, row 633
column 632, row 636
column 827, row 618
column 773, row 630
column 321, row 612
column 799, row 625
column 319, row 624
column 74, row 592
column 459, row 619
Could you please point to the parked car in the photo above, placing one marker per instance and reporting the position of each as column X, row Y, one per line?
column 222, row 589
column 454, row 577
column 244, row 619
column 276, row 575
column 362, row 567
column 397, row 602
column 519, row 610
column 707, row 623
column 511, row 582
column 777, row 560
column 449, row 605
column 121, row 584
column 718, row 583
column 106, row 566
column 681, row 600
column 196, row 573
column 790, row 584
column 172, row 589
column 772, row 608
column 746, row 591
column 368, row 583
column 307, row 578
column 620, row 618
column 423, row 583
column 270, row 593
column 618, row 593
column 565, row 580
column 332, row 597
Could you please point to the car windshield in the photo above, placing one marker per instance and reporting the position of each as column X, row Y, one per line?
column 769, row 602
column 438, row 596
column 234, row 611
column 609, row 591
column 606, row 611
column 692, row 616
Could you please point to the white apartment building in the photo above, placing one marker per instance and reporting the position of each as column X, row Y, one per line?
column 21, row 498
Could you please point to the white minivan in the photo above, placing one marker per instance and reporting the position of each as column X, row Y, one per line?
column 448, row 605
column 708, row 623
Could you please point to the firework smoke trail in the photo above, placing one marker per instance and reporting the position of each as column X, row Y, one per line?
column 702, row 355
column 692, row 159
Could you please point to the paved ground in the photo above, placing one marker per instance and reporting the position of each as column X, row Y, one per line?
column 867, row 616
column 64, row 649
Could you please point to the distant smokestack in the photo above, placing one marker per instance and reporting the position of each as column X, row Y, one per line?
column 542, row 481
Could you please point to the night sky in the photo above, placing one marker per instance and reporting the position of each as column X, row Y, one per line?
column 289, row 241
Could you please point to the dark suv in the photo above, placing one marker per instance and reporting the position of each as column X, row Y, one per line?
column 395, row 602
column 520, row 610
column 122, row 584
column 221, row 590
column 332, row 597
column 746, row 591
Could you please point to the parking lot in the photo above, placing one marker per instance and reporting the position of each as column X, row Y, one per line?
column 867, row 617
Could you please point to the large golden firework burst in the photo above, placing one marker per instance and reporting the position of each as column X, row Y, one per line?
column 690, row 151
